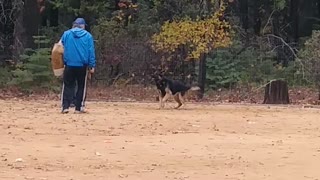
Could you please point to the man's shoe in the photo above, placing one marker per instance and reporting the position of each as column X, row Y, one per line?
column 65, row 111
column 80, row 112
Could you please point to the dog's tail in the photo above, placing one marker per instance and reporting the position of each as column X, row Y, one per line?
column 195, row 88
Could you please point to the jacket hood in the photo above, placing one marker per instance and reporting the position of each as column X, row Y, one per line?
column 77, row 32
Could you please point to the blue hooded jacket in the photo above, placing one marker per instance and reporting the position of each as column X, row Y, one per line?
column 79, row 48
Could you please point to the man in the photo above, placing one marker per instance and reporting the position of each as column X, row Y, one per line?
column 73, row 102
column 79, row 55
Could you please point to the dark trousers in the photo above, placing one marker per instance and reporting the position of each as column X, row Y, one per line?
column 74, row 95
column 71, row 76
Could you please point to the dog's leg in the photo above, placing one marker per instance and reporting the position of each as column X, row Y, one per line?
column 160, row 99
column 183, row 102
column 165, row 98
column 161, row 105
column 177, row 99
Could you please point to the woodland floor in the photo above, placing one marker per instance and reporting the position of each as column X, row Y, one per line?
column 138, row 142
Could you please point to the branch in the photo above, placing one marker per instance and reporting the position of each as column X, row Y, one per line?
column 286, row 44
column 3, row 14
column 269, row 19
column 274, row 48
column 292, row 51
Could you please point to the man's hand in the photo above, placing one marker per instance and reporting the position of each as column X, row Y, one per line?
column 91, row 70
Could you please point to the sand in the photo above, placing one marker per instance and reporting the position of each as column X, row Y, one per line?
column 137, row 141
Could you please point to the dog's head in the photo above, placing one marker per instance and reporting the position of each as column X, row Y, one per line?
column 159, row 80
column 156, row 77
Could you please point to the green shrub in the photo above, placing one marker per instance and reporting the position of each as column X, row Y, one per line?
column 5, row 76
column 34, row 70
column 237, row 65
column 310, row 59
column 221, row 73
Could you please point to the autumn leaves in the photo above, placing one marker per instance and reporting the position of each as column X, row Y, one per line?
column 197, row 36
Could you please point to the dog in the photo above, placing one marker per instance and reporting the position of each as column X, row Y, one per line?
column 167, row 87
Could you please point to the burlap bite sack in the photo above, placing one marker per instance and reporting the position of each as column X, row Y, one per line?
column 57, row 59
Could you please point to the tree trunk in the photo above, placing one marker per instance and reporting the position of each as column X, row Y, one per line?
column 18, row 34
column 244, row 10
column 67, row 18
column 276, row 92
column 31, row 22
column 317, row 80
column 202, row 75
column 318, row 8
column 6, row 30
column 276, row 31
column 306, row 18
column 51, row 14
column 294, row 14
column 257, row 17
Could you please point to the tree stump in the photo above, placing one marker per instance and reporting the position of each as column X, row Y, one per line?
column 276, row 92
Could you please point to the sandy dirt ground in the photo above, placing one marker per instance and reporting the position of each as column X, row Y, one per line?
column 138, row 142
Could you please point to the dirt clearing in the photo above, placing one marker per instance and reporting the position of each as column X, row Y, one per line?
column 138, row 142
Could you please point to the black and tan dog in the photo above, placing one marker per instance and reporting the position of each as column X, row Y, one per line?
column 168, row 87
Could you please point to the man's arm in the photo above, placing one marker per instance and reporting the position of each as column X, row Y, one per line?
column 92, row 56
column 62, row 40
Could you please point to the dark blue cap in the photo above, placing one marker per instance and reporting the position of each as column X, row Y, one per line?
column 80, row 21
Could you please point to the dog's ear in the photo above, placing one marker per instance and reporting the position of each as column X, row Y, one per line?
column 155, row 74
column 153, row 77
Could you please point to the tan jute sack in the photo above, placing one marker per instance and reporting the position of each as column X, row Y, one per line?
column 57, row 59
